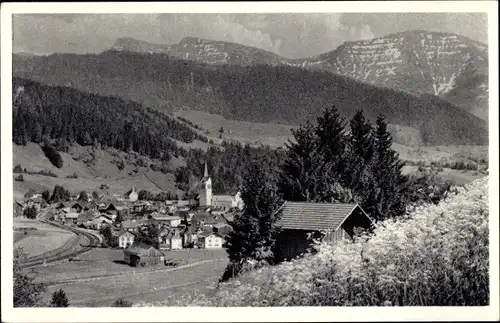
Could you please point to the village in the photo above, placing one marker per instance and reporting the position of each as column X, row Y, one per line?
column 198, row 223
column 201, row 223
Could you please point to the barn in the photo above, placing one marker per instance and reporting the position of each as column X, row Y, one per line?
column 143, row 255
column 331, row 222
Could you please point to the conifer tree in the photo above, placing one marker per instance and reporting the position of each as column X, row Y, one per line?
column 330, row 131
column 59, row 299
column 387, row 172
column 255, row 230
column 359, row 153
column 300, row 176
column 361, row 137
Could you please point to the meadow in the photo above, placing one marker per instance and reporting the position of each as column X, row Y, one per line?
column 100, row 276
column 43, row 239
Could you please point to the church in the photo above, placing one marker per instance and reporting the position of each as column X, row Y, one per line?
column 222, row 202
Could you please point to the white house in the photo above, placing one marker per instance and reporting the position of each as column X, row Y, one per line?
column 210, row 240
column 176, row 241
column 98, row 222
column 126, row 239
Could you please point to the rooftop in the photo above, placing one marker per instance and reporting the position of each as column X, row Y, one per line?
column 314, row 216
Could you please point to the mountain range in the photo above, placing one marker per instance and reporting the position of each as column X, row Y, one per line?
column 432, row 84
column 450, row 66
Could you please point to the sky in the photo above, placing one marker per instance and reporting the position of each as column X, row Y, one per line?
column 292, row 35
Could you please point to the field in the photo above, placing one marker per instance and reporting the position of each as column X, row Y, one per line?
column 101, row 277
column 274, row 135
column 45, row 238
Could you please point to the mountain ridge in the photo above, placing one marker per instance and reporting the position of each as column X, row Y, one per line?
column 261, row 93
column 416, row 61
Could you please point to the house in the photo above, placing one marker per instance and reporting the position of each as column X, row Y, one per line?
column 164, row 238
column 62, row 205
column 143, row 255
column 176, row 241
column 301, row 221
column 125, row 239
column 205, row 220
column 70, row 218
column 132, row 196
column 210, row 240
column 78, row 207
column 93, row 206
column 139, row 206
column 100, row 221
column 84, row 219
column 222, row 228
column 130, row 225
column 189, row 236
column 37, row 202
column 171, row 220
column 227, row 202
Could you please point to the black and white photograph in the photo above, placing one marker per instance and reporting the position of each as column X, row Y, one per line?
column 294, row 157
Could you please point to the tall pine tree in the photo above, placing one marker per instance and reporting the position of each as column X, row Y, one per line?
column 301, row 171
column 254, row 230
column 387, row 172
column 359, row 153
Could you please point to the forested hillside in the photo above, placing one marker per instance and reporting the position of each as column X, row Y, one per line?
column 68, row 115
column 65, row 116
column 288, row 95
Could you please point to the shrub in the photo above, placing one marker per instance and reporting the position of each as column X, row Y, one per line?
column 30, row 212
column 27, row 293
column 435, row 256
column 74, row 175
column 122, row 303
column 17, row 169
column 44, row 173
column 19, row 178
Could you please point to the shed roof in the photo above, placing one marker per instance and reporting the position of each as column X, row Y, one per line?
column 314, row 216
column 143, row 249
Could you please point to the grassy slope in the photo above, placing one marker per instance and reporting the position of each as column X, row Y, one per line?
column 89, row 178
column 438, row 255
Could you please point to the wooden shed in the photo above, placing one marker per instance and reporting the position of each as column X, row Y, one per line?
column 301, row 221
column 143, row 255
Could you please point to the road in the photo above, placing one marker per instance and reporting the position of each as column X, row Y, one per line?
column 72, row 248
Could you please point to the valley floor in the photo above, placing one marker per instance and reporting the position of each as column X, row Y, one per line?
column 100, row 277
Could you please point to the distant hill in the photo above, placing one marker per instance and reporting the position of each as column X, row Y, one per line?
column 203, row 51
column 442, row 64
column 261, row 93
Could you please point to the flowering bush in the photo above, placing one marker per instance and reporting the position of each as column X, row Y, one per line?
column 437, row 255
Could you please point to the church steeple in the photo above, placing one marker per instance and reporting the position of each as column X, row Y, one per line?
column 205, row 192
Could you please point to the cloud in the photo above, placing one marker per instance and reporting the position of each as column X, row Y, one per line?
column 289, row 34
